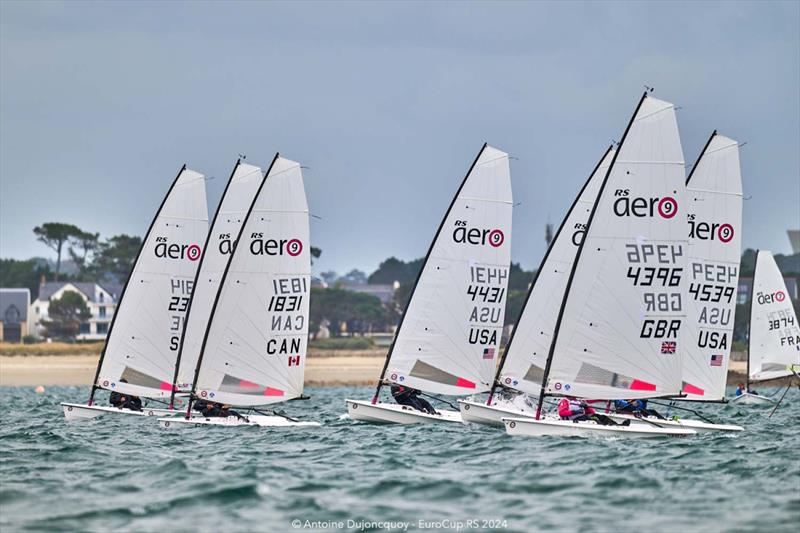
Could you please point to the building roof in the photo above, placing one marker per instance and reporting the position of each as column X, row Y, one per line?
column 49, row 288
column 14, row 299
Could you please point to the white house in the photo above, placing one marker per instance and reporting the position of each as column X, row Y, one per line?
column 100, row 299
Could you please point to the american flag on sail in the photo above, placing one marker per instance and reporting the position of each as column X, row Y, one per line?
column 488, row 353
column 669, row 347
column 716, row 360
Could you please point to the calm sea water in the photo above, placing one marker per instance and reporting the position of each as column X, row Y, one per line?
column 129, row 474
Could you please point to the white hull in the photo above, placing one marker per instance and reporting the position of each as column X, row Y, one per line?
column 390, row 413
column 698, row 425
column 490, row 415
column 565, row 428
column 79, row 411
column 252, row 420
column 753, row 399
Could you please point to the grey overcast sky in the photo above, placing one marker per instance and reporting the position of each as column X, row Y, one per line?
column 386, row 103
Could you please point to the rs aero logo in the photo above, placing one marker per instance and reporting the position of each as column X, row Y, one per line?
column 176, row 251
column 627, row 206
column 709, row 231
column 778, row 297
column 465, row 235
column 261, row 246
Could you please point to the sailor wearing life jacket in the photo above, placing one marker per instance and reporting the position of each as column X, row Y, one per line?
column 571, row 409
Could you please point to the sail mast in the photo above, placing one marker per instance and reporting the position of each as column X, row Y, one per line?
column 750, row 322
column 221, row 285
column 419, row 275
column 194, row 286
column 551, row 352
column 122, row 294
column 539, row 271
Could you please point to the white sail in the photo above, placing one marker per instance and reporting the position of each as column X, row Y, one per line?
column 714, row 215
column 774, row 332
column 142, row 345
column 527, row 350
column 618, row 337
column 448, row 339
column 255, row 351
column 235, row 202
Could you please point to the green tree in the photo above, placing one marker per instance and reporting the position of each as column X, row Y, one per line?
column 65, row 316
column 82, row 245
column 114, row 258
column 54, row 235
column 394, row 269
column 28, row 273
column 361, row 313
column 315, row 253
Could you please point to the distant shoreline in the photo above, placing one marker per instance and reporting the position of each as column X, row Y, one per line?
column 323, row 368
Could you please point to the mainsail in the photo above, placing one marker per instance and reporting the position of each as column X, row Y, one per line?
column 774, row 350
column 254, row 351
column 526, row 353
column 236, row 200
column 141, row 350
column 618, row 330
column 714, row 216
column 449, row 335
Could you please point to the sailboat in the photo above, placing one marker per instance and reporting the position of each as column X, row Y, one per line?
column 231, row 210
column 449, row 334
column 773, row 349
column 618, row 328
column 139, row 355
column 522, row 365
column 253, row 351
column 714, row 216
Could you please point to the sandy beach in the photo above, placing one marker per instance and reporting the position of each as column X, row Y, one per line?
column 334, row 368
column 324, row 368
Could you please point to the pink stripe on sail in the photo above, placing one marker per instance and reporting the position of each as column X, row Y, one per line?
column 467, row 384
column 248, row 384
column 642, row 385
column 168, row 386
column 269, row 391
column 691, row 389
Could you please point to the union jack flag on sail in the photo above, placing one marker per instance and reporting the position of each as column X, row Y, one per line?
column 668, row 347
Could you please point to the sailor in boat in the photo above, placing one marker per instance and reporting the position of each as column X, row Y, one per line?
column 125, row 401
column 410, row 397
column 216, row 410
column 637, row 408
column 741, row 389
column 570, row 408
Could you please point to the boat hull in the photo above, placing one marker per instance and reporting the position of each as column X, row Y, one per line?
column 232, row 421
column 752, row 399
column 564, row 428
column 489, row 415
column 78, row 411
column 698, row 425
column 386, row 413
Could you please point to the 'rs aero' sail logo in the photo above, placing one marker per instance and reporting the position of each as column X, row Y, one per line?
column 478, row 237
column 709, row 231
column 176, row 251
column 261, row 246
column 764, row 299
column 627, row 206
